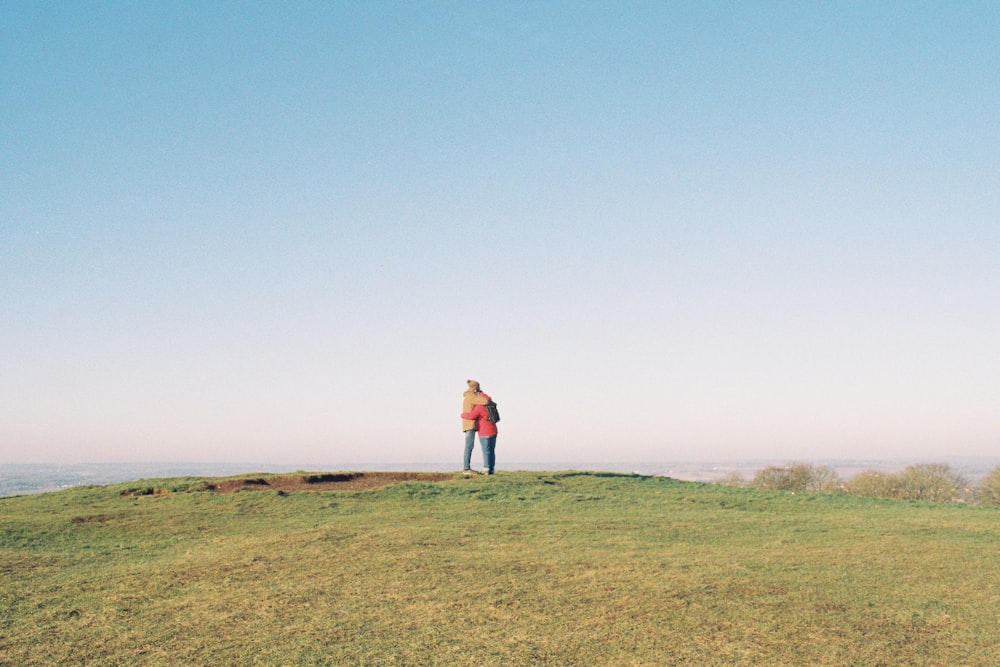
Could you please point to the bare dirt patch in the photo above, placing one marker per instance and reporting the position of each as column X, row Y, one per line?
column 145, row 491
column 340, row 481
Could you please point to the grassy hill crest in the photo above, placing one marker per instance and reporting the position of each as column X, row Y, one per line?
column 524, row 568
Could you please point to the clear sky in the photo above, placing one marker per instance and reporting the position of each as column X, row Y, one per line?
column 653, row 231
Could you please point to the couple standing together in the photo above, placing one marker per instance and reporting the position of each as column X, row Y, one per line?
column 474, row 419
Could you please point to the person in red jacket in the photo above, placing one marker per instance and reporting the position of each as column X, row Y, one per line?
column 472, row 397
column 487, row 436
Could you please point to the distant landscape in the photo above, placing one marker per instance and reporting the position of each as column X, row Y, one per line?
column 21, row 479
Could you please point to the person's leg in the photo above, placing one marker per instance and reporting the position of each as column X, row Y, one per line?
column 470, row 443
column 489, row 453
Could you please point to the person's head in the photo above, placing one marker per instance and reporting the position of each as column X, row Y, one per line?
column 473, row 385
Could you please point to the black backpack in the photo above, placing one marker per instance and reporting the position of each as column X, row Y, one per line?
column 492, row 414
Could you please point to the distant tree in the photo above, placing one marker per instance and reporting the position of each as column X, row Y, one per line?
column 776, row 478
column 825, row 480
column 935, row 482
column 871, row 484
column 799, row 477
column 989, row 489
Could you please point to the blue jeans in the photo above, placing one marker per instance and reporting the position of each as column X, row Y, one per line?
column 470, row 442
column 489, row 445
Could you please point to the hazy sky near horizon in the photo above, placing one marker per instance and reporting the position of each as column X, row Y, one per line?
column 654, row 231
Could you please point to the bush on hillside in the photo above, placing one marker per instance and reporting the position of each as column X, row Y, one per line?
column 934, row 482
column 989, row 489
column 799, row 477
column 871, row 484
column 826, row 480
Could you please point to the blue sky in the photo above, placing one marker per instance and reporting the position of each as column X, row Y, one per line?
column 287, row 233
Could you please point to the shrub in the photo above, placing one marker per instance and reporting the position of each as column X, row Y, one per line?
column 935, row 482
column 825, row 479
column 989, row 489
column 777, row 478
column 800, row 477
column 871, row 484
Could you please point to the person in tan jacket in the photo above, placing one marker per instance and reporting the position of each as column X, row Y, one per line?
column 473, row 396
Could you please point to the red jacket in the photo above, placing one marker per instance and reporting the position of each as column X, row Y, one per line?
column 485, row 427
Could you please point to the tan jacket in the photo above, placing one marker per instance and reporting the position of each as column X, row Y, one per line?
column 469, row 399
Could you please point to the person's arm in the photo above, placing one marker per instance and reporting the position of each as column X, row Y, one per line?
column 475, row 413
column 480, row 399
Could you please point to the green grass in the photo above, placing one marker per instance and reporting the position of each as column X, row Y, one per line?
column 519, row 569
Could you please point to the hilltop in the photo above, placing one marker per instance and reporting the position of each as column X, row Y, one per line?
column 548, row 568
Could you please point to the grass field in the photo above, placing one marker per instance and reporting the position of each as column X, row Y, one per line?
column 523, row 568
